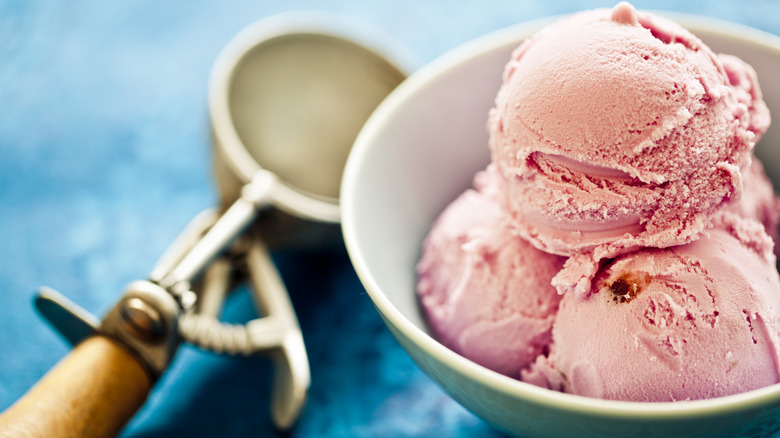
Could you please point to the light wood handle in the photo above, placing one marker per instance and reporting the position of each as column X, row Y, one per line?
column 92, row 392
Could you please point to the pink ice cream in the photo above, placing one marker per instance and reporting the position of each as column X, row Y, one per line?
column 616, row 130
column 486, row 292
column 620, row 244
column 759, row 200
column 695, row 321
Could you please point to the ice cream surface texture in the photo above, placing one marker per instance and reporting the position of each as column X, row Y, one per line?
column 759, row 200
column 620, row 243
column 694, row 321
column 618, row 129
column 486, row 291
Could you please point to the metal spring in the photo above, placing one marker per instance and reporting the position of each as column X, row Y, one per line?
column 210, row 334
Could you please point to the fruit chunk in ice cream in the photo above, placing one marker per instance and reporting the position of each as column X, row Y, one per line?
column 694, row 321
column 486, row 292
column 616, row 130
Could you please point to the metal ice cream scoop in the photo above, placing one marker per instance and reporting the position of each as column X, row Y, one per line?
column 287, row 98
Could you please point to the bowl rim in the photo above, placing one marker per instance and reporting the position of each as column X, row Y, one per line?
column 512, row 387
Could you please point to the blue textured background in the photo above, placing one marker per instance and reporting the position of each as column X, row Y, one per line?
column 105, row 156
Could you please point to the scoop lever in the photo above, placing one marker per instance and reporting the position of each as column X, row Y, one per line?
column 72, row 322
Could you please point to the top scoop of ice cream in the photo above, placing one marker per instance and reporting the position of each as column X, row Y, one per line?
column 617, row 129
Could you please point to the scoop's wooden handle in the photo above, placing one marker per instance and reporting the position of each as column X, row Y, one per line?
column 92, row 392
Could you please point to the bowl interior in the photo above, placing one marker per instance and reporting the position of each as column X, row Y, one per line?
column 421, row 148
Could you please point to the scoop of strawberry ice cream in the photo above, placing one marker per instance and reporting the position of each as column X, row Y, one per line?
column 694, row 321
column 616, row 130
column 486, row 292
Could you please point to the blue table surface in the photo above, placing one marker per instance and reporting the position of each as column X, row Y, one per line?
column 105, row 155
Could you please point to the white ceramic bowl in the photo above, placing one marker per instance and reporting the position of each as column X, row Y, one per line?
column 419, row 150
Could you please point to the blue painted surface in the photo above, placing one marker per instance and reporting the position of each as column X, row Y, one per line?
column 105, row 156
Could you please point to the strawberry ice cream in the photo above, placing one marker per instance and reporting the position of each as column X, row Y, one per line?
column 759, row 200
column 679, row 323
column 620, row 243
column 616, row 130
column 486, row 291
